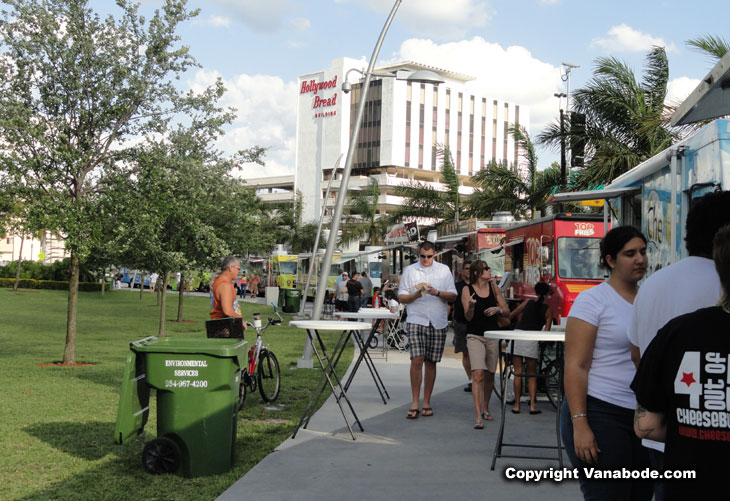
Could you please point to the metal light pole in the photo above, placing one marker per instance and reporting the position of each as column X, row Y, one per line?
column 563, row 172
column 316, row 239
column 342, row 192
column 566, row 78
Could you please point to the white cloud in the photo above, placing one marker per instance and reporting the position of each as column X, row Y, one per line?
column 266, row 116
column 623, row 38
column 257, row 15
column 435, row 18
column 510, row 73
column 221, row 21
column 678, row 89
column 548, row 2
column 301, row 23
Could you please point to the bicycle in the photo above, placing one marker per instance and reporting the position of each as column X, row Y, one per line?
column 263, row 370
column 548, row 364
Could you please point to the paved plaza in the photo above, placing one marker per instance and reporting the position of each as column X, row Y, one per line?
column 439, row 457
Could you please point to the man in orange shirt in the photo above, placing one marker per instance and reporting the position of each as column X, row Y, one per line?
column 223, row 299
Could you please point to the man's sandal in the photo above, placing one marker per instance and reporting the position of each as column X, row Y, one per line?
column 413, row 414
column 427, row 412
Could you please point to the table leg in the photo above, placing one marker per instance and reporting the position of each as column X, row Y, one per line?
column 336, row 386
column 364, row 345
column 504, row 378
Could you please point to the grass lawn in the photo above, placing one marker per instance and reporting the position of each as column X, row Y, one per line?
column 57, row 422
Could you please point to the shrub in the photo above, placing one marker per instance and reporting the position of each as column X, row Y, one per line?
column 29, row 283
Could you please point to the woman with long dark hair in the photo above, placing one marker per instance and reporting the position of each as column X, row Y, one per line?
column 535, row 316
column 597, row 414
column 483, row 303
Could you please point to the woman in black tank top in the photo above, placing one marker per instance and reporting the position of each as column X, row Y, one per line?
column 482, row 302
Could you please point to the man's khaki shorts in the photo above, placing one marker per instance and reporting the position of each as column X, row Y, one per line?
column 483, row 352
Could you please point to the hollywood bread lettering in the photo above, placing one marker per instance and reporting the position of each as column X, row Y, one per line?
column 314, row 87
column 321, row 102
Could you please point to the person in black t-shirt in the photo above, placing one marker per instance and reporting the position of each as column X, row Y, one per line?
column 354, row 292
column 682, row 390
column 459, row 323
column 534, row 315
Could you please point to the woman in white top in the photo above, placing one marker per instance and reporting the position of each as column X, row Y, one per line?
column 597, row 414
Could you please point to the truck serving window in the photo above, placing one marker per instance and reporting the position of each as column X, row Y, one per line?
column 578, row 258
column 288, row 267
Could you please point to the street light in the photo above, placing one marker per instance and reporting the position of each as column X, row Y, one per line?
column 560, row 96
column 420, row 76
column 341, row 194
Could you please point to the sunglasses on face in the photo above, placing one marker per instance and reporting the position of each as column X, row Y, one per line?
column 423, row 256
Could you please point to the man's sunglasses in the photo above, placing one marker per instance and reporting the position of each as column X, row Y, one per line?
column 423, row 256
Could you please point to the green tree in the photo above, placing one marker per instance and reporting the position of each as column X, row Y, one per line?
column 710, row 45
column 363, row 221
column 500, row 188
column 626, row 121
column 427, row 202
column 74, row 88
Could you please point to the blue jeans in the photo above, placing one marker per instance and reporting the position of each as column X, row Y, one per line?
column 613, row 427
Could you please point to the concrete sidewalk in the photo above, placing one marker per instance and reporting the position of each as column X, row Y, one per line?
column 439, row 457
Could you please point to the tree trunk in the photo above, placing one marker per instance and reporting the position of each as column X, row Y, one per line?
column 141, row 286
column 158, row 291
column 180, row 294
column 103, row 280
column 20, row 260
column 69, row 350
column 161, row 330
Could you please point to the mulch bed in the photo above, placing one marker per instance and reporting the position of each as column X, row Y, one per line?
column 25, row 292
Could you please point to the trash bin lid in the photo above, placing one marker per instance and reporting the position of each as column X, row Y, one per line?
column 216, row 347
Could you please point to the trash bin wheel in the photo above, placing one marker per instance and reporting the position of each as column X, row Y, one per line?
column 373, row 342
column 161, row 455
column 269, row 376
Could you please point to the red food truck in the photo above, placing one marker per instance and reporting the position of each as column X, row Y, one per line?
column 562, row 250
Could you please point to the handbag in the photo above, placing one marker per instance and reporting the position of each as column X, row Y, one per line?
column 502, row 322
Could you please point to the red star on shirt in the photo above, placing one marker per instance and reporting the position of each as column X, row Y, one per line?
column 688, row 379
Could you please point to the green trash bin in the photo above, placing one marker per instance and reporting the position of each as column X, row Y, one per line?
column 197, row 383
column 292, row 299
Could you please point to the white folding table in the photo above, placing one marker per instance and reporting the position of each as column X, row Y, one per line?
column 379, row 315
column 504, row 373
column 328, row 364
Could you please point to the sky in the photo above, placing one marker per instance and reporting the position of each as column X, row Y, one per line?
column 514, row 47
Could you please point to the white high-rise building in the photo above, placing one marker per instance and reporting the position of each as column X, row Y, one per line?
column 403, row 125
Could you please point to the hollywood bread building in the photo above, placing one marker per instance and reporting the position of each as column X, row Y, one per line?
column 403, row 125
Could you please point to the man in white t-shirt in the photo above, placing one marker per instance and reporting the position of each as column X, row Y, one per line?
column 426, row 288
column 683, row 287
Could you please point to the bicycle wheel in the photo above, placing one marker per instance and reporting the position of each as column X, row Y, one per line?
column 551, row 384
column 269, row 376
column 243, row 390
column 374, row 342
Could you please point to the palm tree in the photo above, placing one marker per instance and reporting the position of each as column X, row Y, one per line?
column 626, row 121
column 500, row 188
column 711, row 45
column 426, row 202
column 363, row 221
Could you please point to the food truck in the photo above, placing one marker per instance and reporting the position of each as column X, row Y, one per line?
column 561, row 249
column 283, row 270
column 656, row 195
